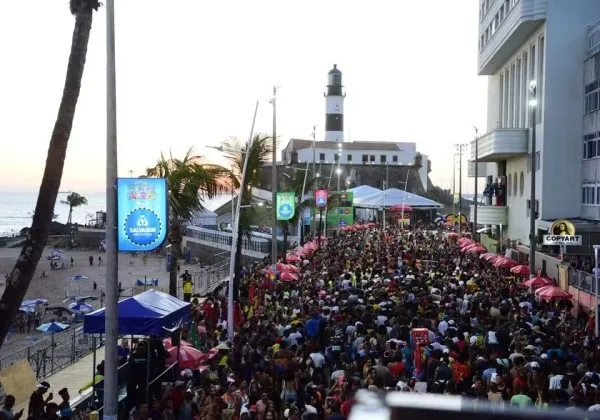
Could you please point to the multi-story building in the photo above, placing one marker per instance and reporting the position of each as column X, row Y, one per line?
column 539, row 42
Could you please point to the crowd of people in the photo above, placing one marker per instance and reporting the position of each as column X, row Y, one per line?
column 381, row 309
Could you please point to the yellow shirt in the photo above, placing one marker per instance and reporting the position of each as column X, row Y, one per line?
column 187, row 287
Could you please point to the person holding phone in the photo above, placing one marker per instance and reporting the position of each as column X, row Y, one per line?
column 37, row 403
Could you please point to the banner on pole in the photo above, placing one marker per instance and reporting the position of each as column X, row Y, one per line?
column 286, row 205
column 321, row 197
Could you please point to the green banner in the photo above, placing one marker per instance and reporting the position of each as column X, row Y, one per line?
column 286, row 205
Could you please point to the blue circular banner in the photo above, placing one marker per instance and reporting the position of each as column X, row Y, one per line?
column 142, row 227
column 286, row 211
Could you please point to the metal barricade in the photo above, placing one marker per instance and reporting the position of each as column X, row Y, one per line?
column 582, row 280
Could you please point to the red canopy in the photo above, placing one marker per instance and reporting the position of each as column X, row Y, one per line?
column 489, row 256
column 167, row 343
column 552, row 293
column 504, row 262
column 520, row 269
column 538, row 281
column 287, row 276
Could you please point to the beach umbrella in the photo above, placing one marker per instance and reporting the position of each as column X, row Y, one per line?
column 489, row 256
column 189, row 357
column 504, row 262
column 465, row 241
column 538, row 281
column 287, row 276
column 401, row 208
column 520, row 269
column 27, row 309
column 168, row 344
column 81, row 307
column 34, row 302
column 78, row 278
column 53, row 327
column 293, row 258
column 451, row 235
column 552, row 293
column 476, row 249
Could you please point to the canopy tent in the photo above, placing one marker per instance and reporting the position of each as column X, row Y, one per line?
column 393, row 197
column 363, row 191
column 149, row 313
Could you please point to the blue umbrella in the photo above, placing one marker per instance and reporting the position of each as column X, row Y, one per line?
column 78, row 277
column 27, row 309
column 53, row 327
column 34, row 302
column 81, row 307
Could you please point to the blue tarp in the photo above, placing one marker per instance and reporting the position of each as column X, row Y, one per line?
column 149, row 313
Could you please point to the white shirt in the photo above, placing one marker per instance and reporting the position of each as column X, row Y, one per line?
column 318, row 359
column 443, row 327
column 293, row 338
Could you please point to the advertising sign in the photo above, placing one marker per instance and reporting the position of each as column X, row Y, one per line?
column 286, row 205
column 321, row 198
column 562, row 232
column 142, row 215
column 341, row 212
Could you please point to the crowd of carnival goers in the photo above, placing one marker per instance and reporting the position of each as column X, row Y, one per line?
column 416, row 310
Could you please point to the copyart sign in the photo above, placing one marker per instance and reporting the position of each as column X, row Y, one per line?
column 142, row 215
column 562, row 232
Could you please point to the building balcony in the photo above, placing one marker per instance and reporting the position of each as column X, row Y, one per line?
column 525, row 17
column 490, row 215
column 501, row 144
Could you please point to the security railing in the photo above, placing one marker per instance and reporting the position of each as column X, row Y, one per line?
column 222, row 238
column 51, row 354
column 582, row 280
column 205, row 279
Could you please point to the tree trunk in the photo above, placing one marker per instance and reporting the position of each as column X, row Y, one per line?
column 69, row 223
column 238, row 265
column 175, row 239
column 32, row 250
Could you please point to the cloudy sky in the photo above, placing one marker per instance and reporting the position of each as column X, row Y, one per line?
column 189, row 75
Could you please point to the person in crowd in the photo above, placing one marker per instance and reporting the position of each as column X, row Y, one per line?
column 37, row 402
column 6, row 412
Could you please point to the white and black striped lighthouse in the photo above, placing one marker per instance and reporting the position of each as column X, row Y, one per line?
column 334, row 103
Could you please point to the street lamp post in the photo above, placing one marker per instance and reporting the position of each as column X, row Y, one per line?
column 532, row 206
column 274, row 182
column 596, row 248
column 112, row 257
column 385, row 187
column 475, row 201
column 403, row 197
column 460, row 148
column 234, row 234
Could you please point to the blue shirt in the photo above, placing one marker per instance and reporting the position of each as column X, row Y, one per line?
column 312, row 327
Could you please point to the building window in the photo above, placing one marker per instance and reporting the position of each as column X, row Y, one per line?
column 528, row 163
column 591, row 146
column 521, row 184
column 588, row 193
column 538, row 160
column 515, row 189
column 509, row 185
column 372, row 158
column 336, row 157
column 395, row 158
column 349, row 158
column 322, row 157
column 365, row 158
column 591, row 102
column 501, row 102
column 383, row 159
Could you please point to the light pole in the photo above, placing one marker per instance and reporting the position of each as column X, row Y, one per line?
column 338, row 171
column 274, row 182
column 111, row 323
column 460, row 148
column 474, row 232
column 403, row 196
column 385, row 187
column 596, row 248
column 314, row 162
column 532, row 206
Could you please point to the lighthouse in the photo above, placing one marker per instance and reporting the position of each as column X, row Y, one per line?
column 334, row 105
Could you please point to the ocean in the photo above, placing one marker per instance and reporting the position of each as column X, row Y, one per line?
column 16, row 209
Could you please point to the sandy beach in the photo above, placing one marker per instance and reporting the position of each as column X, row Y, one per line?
column 56, row 285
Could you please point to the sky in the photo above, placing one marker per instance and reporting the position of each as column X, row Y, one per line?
column 189, row 75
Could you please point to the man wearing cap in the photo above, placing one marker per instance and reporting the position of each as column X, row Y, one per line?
column 37, row 403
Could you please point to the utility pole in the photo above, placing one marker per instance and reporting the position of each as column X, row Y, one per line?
column 459, row 150
column 385, row 187
column 314, row 167
column 453, row 185
column 475, row 201
column 111, row 323
column 532, row 206
column 274, row 182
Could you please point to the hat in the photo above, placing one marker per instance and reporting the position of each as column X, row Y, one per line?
column 223, row 346
column 44, row 385
column 187, row 373
column 544, row 356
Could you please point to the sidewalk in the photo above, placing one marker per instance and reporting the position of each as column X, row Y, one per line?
column 72, row 378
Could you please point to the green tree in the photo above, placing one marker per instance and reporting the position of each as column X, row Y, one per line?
column 24, row 269
column 189, row 182
column 260, row 153
column 73, row 200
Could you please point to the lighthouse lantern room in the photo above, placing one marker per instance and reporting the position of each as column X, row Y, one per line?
column 334, row 102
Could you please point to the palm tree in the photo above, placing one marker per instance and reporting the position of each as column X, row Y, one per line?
column 73, row 200
column 235, row 152
column 189, row 183
column 32, row 250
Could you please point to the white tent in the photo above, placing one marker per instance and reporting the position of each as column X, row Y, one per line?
column 394, row 196
column 363, row 190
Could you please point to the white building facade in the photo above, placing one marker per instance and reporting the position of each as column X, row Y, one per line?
column 544, row 41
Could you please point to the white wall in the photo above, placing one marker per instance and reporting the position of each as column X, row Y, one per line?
column 406, row 156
